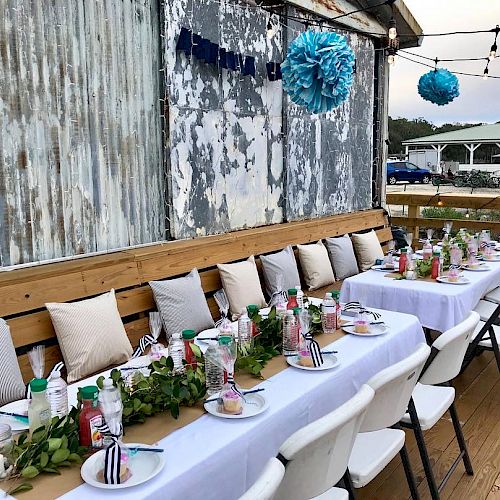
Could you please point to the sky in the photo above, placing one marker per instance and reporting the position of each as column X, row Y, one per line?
column 479, row 100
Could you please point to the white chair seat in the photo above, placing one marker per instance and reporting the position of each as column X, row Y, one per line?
column 431, row 403
column 485, row 309
column 494, row 295
column 333, row 494
column 486, row 343
column 372, row 451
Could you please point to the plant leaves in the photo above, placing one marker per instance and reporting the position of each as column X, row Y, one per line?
column 60, row 455
column 22, row 487
column 44, row 459
column 30, row 472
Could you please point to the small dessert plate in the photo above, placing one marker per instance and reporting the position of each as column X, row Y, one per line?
column 461, row 280
column 254, row 405
column 21, row 408
column 480, row 268
column 375, row 330
column 143, row 467
column 329, row 361
column 493, row 258
column 383, row 268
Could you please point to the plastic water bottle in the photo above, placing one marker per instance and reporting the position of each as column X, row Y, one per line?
column 244, row 333
column 290, row 333
column 427, row 250
column 111, row 406
column 214, row 374
column 57, row 395
column 329, row 314
column 300, row 296
column 176, row 352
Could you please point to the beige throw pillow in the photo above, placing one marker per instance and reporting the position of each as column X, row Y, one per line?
column 367, row 248
column 316, row 266
column 91, row 334
column 242, row 285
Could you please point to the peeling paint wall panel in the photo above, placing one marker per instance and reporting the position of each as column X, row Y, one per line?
column 80, row 142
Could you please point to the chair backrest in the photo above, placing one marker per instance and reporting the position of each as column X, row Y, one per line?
column 451, row 347
column 393, row 387
column 265, row 487
column 318, row 453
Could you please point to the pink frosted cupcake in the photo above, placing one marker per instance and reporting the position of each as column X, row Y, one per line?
column 232, row 403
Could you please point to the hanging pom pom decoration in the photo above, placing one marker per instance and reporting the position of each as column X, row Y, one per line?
column 438, row 86
column 318, row 70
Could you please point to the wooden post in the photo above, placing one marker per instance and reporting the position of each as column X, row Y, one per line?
column 414, row 213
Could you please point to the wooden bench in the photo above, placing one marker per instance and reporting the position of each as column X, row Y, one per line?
column 24, row 291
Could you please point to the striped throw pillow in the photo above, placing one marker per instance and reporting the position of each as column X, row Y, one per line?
column 11, row 381
column 91, row 334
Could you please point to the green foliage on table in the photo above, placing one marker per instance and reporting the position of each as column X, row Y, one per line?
column 266, row 345
column 47, row 450
column 163, row 390
column 316, row 325
column 423, row 267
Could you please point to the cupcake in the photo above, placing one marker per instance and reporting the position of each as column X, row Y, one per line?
column 304, row 359
column 361, row 326
column 125, row 474
column 453, row 275
column 231, row 403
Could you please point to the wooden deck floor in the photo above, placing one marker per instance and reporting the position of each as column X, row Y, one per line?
column 478, row 407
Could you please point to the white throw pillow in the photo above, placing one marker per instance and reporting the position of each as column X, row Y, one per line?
column 11, row 381
column 368, row 249
column 91, row 334
column 242, row 285
column 316, row 266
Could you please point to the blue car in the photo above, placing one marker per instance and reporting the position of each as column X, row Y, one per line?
column 406, row 171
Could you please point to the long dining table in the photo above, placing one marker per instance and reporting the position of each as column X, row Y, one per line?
column 438, row 306
column 207, row 457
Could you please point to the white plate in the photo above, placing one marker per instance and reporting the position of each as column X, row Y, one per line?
column 381, row 268
column 496, row 258
column 375, row 330
column 482, row 267
column 461, row 280
column 329, row 361
column 256, row 404
column 20, row 407
column 144, row 466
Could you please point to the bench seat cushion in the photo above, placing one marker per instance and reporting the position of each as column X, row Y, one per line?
column 91, row 334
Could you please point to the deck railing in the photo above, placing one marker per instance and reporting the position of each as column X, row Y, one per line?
column 415, row 201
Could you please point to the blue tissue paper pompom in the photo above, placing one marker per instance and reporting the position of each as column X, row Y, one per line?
column 438, row 86
column 318, row 70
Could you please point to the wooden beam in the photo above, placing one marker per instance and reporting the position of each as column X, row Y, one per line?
column 483, row 201
column 475, row 225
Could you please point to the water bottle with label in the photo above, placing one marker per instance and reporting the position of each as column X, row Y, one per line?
column 111, row 406
column 176, row 352
column 244, row 333
column 300, row 296
column 57, row 394
column 290, row 333
column 214, row 373
column 328, row 314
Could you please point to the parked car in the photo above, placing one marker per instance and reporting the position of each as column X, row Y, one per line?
column 406, row 171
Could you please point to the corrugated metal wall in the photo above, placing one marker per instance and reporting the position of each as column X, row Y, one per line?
column 80, row 138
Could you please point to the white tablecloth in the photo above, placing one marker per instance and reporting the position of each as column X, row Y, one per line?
column 218, row 459
column 438, row 306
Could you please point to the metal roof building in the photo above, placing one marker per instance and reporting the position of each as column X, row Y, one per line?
column 471, row 138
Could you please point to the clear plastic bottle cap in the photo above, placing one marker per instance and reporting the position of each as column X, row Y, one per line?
column 289, row 312
column 298, row 287
column 108, row 383
column 329, row 295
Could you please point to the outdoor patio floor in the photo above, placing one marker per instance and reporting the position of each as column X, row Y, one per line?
column 478, row 407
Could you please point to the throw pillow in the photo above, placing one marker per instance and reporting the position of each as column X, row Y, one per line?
column 367, row 249
column 280, row 271
column 242, row 285
column 316, row 266
column 12, row 386
column 342, row 256
column 91, row 334
column 182, row 304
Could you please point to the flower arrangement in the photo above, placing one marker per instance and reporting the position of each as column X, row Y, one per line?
column 318, row 70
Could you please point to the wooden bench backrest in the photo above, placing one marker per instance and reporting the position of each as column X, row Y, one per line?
column 23, row 292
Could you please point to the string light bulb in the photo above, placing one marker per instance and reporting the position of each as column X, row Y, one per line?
column 391, row 59
column 270, row 29
column 440, row 202
column 393, row 32
column 494, row 48
column 486, row 73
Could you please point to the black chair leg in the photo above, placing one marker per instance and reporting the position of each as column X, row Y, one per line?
column 348, row 485
column 428, row 336
column 409, row 473
column 460, row 438
column 494, row 345
column 423, row 450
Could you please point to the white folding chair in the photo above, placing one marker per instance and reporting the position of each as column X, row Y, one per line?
column 434, row 395
column 377, row 444
column 315, row 457
column 487, row 333
column 266, row 486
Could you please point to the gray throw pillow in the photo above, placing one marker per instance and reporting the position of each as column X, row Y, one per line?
column 182, row 304
column 11, row 381
column 342, row 256
column 280, row 271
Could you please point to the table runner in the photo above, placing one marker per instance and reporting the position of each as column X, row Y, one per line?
column 438, row 306
column 213, row 458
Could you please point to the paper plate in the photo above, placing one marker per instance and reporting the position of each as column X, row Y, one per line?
column 375, row 331
column 495, row 258
column 329, row 361
column 482, row 267
column 255, row 405
column 461, row 280
column 144, row 466
column 381, row 268
column 20, row 407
